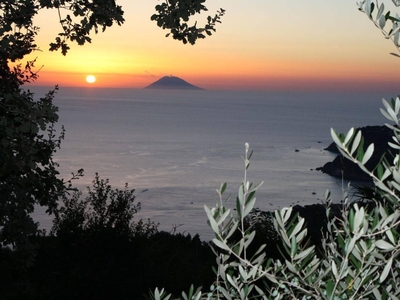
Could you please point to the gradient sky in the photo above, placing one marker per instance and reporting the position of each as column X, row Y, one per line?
column 262, row 45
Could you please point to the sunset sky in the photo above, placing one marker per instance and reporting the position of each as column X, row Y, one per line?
column 260, row 45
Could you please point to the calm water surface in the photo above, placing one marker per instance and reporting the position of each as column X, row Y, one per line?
column 176, row 147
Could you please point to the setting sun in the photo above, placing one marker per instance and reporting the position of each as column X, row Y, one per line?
column 258, row 59
column 90, row 79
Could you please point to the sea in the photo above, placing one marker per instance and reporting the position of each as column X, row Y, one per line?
column 176, row 147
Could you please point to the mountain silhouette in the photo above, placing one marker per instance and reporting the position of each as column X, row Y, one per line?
column 172, row 83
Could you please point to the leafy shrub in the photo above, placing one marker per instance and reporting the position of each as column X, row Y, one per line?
column 104, row 211
column 359, row 248
column 97, row 251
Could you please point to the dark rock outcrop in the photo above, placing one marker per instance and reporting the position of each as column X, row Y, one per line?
column 316, row 220
column 379, row 136
column 172, row 83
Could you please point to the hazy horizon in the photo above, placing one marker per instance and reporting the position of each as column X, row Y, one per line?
column 346, row 87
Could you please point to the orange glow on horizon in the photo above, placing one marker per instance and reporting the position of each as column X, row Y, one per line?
column 253, row 48
column 335, row 82
column 244, row 73
column 102, row 80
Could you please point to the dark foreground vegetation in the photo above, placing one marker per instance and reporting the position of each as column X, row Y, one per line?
column 96, row 250
column 107, row 266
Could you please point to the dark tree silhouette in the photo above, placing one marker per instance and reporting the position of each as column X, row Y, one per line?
column 28, row 174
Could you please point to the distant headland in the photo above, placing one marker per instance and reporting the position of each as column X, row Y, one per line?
column 340, row 167
column 172, row 83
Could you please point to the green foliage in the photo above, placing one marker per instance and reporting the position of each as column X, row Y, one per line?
column 359, row 251
column 385, row 20
column 360, row 247
column 103, row 211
